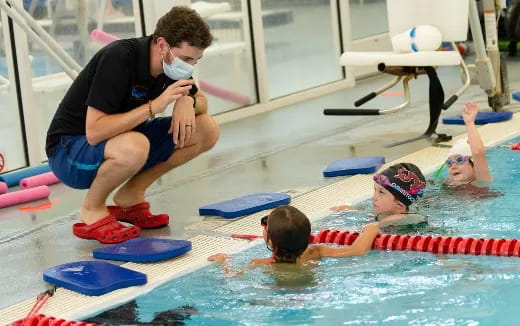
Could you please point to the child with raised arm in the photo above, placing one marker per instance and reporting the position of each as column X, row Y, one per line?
column 287, row 233
column 467, row 161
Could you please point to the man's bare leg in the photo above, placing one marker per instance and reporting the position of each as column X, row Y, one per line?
column 125, row 155
column 205, row 138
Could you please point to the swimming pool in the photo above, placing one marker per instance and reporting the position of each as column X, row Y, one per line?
column 389, row 287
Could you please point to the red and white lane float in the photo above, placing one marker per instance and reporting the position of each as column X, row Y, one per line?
column 436, row 245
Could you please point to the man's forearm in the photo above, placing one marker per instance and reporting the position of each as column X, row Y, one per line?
column 200, row 102
column 102, row 126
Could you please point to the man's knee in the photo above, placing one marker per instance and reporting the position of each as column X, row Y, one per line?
column 130, row 147
column 210, row 132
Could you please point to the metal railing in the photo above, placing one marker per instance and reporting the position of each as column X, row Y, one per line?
column 30, row 26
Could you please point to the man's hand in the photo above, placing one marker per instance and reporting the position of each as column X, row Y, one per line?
column 183, row 125
column 173, row 92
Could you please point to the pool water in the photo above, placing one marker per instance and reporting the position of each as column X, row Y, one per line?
column 383, row 287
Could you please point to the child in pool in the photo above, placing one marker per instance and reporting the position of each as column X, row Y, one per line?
column 395, row 189
column 287, row 232
column 467, row 161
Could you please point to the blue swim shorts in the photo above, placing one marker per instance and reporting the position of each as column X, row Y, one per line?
column 75, row 162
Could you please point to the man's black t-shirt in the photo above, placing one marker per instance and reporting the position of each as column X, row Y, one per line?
column 116, row 80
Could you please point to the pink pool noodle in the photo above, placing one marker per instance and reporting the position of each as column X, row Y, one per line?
column 224, row 93
column 39, row 180
column 22, row 196
column 3, row 188
column 106, row 38
column 102, row 37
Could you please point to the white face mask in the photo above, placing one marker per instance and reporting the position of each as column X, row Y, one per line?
column 178, row 69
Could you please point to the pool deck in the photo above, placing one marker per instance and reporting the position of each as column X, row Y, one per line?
column 283, row 150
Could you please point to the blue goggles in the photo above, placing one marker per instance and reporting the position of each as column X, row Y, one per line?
column 459, row 159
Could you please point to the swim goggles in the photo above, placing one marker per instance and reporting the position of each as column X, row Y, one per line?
column 263, row 221
column 383, row 180
column 459, row 159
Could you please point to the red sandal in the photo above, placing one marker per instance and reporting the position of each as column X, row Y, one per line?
column 139, row 215
column 106, row 230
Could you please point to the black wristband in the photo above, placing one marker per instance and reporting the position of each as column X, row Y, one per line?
column 194, row 100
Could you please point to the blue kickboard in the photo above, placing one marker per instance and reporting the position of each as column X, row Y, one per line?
column 144, row 250
column 246, row 205
column 354, row 165
column 516, row 95
column 92, row 277
column 482, row 118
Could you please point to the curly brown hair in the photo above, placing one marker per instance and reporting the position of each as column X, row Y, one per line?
column 183, row 24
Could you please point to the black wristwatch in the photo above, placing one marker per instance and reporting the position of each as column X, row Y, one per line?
column 194, row 100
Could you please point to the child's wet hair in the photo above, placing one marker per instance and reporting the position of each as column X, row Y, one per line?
column 289, row 230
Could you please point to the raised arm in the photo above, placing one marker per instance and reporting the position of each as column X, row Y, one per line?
column 478, row 151
column 361, row 245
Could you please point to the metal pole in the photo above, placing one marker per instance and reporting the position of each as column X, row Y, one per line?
column 485, row 71
column 40, row 32
column 45, row 46
column 490, row 25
